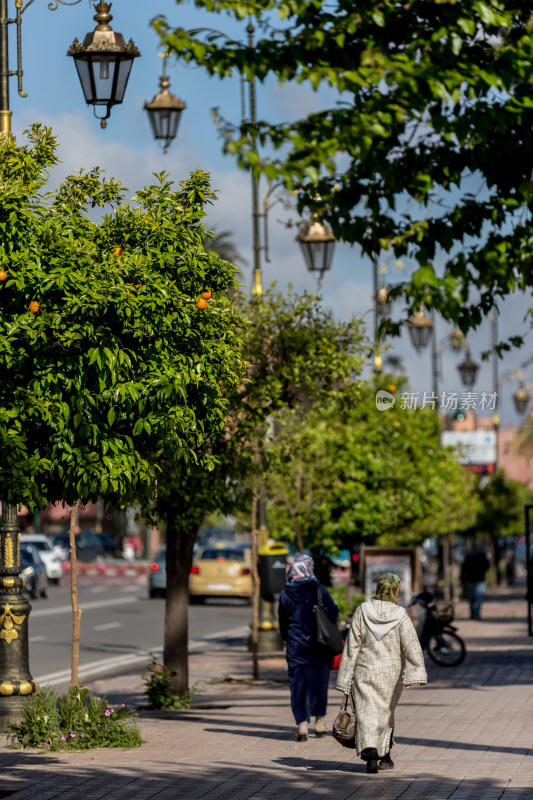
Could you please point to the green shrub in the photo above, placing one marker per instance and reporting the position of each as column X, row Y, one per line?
column 73, row 721
column 158, row 688
column 346, row 606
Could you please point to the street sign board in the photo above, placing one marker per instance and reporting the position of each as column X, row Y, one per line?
column 473, row 447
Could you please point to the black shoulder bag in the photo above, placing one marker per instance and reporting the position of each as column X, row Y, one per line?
column 325, row 632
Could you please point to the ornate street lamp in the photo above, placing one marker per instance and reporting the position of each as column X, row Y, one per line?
column 468, row 370
column 103, row 62
column 420, row 328
column 457, row 339
column 318, row 243
column 521, row 398
column 164, row 112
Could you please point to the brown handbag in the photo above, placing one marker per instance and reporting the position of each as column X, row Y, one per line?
column 344, row 725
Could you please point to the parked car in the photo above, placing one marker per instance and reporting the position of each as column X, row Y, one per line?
column 89, row 546
column 33, row 570
column 108, row 543
column 157, row 577
column 49, row 556
column 221, row 571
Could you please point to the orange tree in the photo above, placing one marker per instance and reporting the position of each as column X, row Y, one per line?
column 106, row 362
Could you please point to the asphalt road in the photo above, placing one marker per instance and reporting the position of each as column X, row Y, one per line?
column 120, row 627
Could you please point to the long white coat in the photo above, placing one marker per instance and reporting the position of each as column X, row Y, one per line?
column 381, row 656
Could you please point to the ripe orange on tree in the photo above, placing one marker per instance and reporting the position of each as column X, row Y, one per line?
column 118, row 251
column 207, row 294
column 3, row 275
column 201, row 304
column 34, row 306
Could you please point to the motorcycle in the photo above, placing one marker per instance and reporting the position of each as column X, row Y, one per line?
column 436, row 633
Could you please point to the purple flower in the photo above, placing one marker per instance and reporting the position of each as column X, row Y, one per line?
column 107, row 712
column 63, row 737
column 73, row 735
column 123, row 705
column 81, row 734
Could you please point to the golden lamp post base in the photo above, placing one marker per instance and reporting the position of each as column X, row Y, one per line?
column 16, row 682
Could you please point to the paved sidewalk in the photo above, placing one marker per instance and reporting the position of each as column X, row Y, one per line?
column 468, row 735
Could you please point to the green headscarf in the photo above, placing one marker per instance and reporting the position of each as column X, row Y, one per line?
column 387, row 584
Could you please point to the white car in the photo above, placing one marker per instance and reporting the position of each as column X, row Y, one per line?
column 49, row 556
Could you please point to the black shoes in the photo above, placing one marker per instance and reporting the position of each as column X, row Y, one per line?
column 370, row 755
column 375, row 763
column 386, row 762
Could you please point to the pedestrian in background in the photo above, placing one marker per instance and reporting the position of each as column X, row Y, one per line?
column 473, row 572
column 308, row 672
column 381, row 656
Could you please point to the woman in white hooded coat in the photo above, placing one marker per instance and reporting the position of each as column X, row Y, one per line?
column 381, row 656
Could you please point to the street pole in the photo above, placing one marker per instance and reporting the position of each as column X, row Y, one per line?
column 268, row 635
column 495, row 415
column 15, row 679
column 378, row 361
column 16, row 682
column 5, row 113
column 435, row 361
column 257, row 286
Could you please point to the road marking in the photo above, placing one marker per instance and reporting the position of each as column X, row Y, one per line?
column 47, row 612
column 116, row 664
column 106, row 626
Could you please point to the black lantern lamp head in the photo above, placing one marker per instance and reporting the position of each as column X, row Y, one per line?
column 420, row 328
column 318, row 243
column 164, row 112
column 103, row 62
column 468, row 370
column 521, row 398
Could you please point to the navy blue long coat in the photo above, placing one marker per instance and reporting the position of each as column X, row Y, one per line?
column 308, row 673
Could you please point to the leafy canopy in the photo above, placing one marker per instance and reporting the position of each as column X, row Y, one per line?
column 424, row 143
column 349, row 473
column 105, row 360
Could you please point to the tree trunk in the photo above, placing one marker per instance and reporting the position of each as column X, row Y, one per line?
column 180, row 546
column 255, row 592
column 76, row 611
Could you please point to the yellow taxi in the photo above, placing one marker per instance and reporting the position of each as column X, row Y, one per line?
column 221, row 571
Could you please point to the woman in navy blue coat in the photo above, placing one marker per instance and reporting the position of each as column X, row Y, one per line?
column 308, row 672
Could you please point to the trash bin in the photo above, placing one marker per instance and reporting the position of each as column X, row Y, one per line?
column 273, row 568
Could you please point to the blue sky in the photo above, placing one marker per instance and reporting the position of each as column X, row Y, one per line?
column 126, row 151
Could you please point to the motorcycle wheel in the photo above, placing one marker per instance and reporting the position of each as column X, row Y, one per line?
column 446, row 649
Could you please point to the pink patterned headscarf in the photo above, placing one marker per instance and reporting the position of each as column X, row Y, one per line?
column 301, row 569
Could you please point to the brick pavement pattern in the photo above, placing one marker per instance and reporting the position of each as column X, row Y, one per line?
column 468, row 735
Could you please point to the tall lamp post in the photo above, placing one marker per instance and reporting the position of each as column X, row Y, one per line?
column 15, row 679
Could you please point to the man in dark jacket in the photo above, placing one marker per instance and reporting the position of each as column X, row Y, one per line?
column 308, row 671
column 473, row 571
